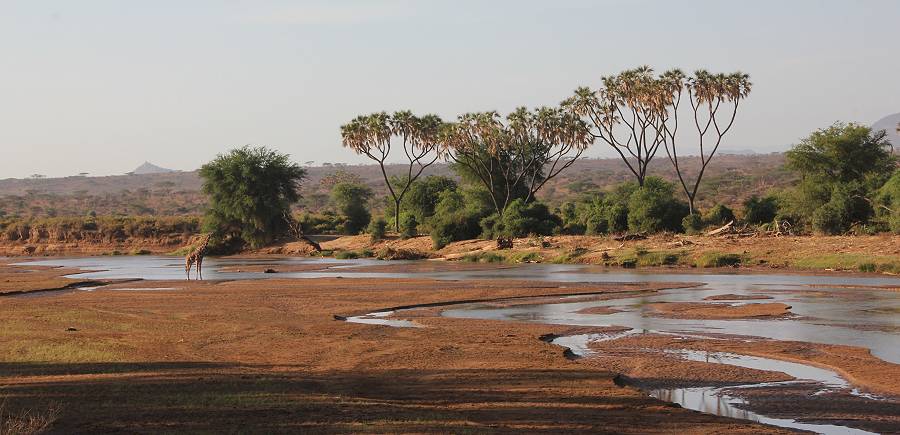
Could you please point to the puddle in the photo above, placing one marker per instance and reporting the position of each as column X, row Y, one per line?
column 714, row 400
column 379, row 318
column 579, row 344
column 711, row 401
column 142, row 289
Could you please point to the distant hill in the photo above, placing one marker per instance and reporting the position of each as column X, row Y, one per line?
column 729, row 179
column 150, row 168
column 889, row 124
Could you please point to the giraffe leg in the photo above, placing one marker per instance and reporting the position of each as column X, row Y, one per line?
column 187, row 269
column 200, row 267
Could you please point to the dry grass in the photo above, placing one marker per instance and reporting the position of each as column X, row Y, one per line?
column 26, row 422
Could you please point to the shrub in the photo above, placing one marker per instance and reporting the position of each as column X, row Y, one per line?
column 424, row 195
column 596, row 224
column 526, row 257
column 868, row 267
column 377, row 229
column 408, row 225
column 829, row 219
column 520, row 219
column 350, row 199
column 616, row 218
column 846, row 206
column 484, row 257
column 389, row 253
column 327, row 222
column 653, row 207
column 715, row 259
column 573, row 222
column 888, row 202
column 692, row 224
column 346, row 255
column 453, row 221
column 760, row 210
column 718, row 215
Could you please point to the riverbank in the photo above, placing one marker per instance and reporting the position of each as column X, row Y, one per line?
column 868, row 254
column 863, row 254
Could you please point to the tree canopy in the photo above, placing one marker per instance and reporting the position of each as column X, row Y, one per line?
column 250, row 190
column 843, row 153
column 515, row 157
column 373, row 136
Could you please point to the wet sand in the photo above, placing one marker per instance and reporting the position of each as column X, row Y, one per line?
column 690, row 310
column 268, row 355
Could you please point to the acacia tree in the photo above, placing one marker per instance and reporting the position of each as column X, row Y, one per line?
column 714, row 99
column 629, row 113
column 515, row 158
column 374, row 135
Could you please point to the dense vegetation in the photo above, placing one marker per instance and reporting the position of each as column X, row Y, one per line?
column 99, row 229
column 251, row 191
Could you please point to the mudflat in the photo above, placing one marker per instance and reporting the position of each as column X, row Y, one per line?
column 268, row 355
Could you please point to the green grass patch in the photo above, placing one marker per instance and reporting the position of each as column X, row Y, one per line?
column 717, row 259
column 657, row 258
column 859, row 262
column 484, row 257
column 526, row 257
column 69, row 351
column 346, row 255
column 569, row 256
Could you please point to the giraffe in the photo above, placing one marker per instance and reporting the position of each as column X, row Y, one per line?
column 196, row 256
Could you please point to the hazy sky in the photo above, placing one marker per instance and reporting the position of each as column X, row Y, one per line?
column 101, row 86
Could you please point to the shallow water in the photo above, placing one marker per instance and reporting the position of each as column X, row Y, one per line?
column 856, row 317
column 828, row 313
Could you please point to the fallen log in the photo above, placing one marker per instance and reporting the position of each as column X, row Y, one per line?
column 628, row 237
column 721, row 229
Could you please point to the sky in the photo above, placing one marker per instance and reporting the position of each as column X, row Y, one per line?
column 102, row 86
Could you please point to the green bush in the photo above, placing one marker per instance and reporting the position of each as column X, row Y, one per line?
column 718, row 215
column 423, row 197
column 408, row 225
column 760, row 210
column 888, row 203
column 692, row 224
column 389, row 253
column 484, row 257
column 846, row 207
column 572, row 220
column 346, row 255
column 327, row 222
column 653, row 207
column 715, row 259
column 868, row 267
column 521, row 219
column 453, row 220
column 350, row 199
column 829, row 219
column 377, row 229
